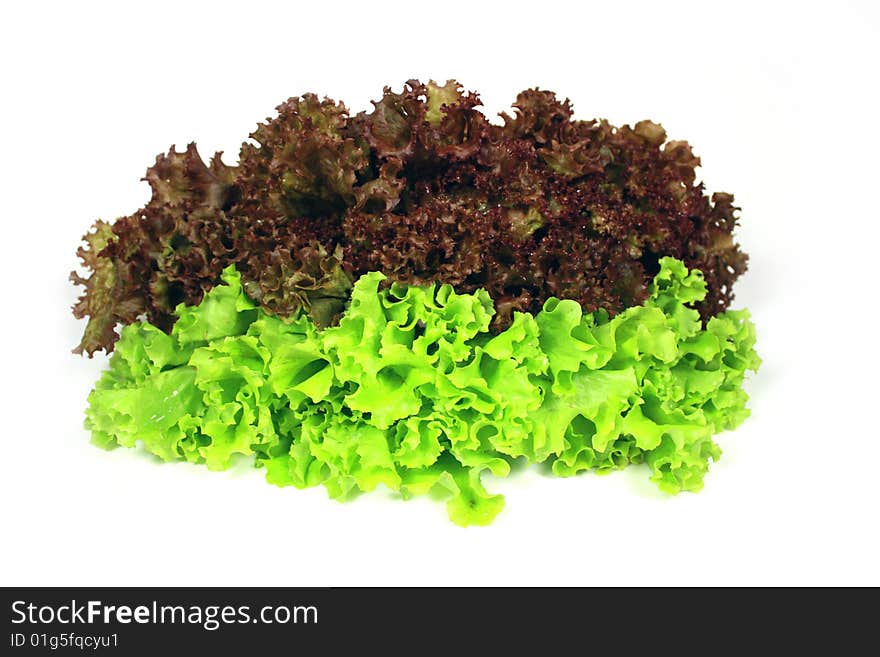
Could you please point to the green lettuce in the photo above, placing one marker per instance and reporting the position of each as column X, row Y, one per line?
column 412, row 390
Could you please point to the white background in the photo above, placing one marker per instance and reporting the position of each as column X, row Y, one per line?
column 780, row 100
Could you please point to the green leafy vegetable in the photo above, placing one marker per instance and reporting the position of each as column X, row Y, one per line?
column 411, row 390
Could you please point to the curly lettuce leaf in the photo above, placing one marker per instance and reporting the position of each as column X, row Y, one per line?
column 424, row 188
column 412, row 391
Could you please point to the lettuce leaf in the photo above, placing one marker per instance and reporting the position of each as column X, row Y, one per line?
column 424, row 188
column 411, row 390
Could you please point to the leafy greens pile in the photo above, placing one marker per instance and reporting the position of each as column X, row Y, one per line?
column 414, row 296
column 413, row 391
column 424, row 189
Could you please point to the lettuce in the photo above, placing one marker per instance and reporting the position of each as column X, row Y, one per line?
column 424, row 187
column 412, row 390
